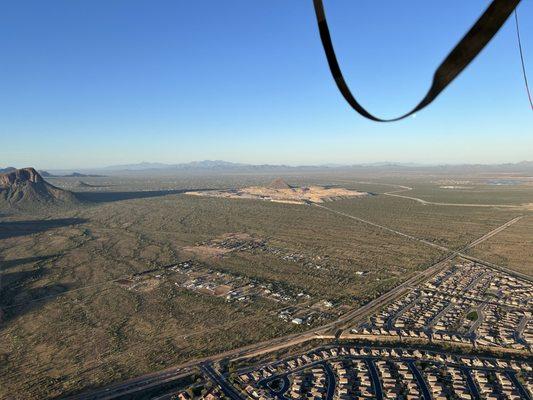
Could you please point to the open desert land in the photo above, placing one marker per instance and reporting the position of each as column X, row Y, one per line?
column 512, row 248
column 145, row 277
column 449, row 226
column 486, row 189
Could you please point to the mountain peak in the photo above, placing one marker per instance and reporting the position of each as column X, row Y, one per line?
column 279, row 183
column 20, row 176
column 26, row 188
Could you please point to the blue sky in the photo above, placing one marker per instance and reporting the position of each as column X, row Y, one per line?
column 95, row 83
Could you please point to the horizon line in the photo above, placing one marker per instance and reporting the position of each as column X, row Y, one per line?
column 163, row 165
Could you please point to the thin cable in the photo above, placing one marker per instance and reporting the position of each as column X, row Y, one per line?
column 479, row 35
column 522, row 59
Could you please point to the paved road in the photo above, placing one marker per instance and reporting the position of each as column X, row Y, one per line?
column 350, row 318
column 154, row 379
column 146, row 381
column 497, row 267
column 393, row 318
column 376, row 382
column 426, row 242
column 494, row 232
column 460, row 252
column 523, row 392
column 133, row 385
column 332, row 382
column 420, row 379
column 470, row 383
column 382, row 227
column 436, row 317
column 520, row 330
column 280, row 394
column 219, row 380
column 478, row 321
column 394, row 193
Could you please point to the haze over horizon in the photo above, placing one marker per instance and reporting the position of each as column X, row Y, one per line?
column 248, row 82
column 221, row 164
column 190, row 208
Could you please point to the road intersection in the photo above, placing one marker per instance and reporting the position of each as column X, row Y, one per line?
column 330, row 330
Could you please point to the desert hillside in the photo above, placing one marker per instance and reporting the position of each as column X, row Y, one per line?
column 25, row 188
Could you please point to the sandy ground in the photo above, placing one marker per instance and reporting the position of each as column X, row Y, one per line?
column 206, row 251
column 213, row 249
column 315, row 194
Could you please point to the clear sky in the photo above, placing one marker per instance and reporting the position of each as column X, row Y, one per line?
column 98, row 82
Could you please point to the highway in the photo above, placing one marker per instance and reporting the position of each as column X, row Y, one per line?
column 134, row 385
column 459, row 252
column 394, row 231
column 151, row 380
column 494, row 232
column 394, row 193
column 356, row 315
column 328, row 331
column 402, row 188
column 497, row 267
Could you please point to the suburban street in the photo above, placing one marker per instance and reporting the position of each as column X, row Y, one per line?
column 284, row 378
column 227, row 388
column 330, row 330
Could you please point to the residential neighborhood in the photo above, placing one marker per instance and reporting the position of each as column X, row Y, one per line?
column 465, row 332
column 465, row 303
column 354, row 372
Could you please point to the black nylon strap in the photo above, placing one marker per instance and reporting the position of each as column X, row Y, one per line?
column 464, row 52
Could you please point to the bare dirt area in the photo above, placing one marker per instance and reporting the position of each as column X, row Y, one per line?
column 280, row 192
column 528, row 206
column 70, row 277
column 205, row 251
column 88, row 300
column 222, row 245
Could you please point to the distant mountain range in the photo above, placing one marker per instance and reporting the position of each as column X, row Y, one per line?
column 226, row 166
column 193, row 165
column 47, row 174
column 219, row 166
column 79, row 175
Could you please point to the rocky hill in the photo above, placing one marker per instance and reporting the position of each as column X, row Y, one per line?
column 279, row 183
column 26, row 189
